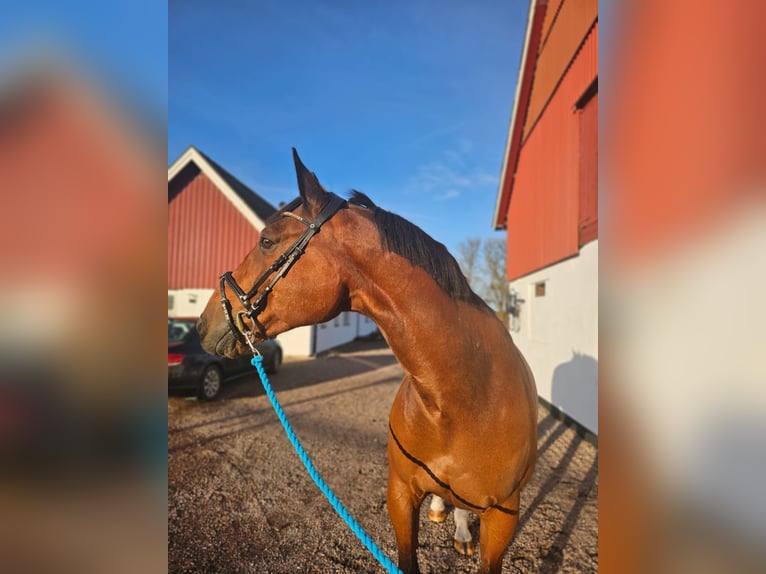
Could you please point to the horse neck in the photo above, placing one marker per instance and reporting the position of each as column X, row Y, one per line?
column 429, row 332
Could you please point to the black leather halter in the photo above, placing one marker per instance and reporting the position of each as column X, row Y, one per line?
column 281, row 266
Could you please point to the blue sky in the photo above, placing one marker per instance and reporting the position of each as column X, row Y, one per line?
column 408, row 102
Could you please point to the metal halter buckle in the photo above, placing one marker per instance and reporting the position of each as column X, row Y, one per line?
column 248, row 333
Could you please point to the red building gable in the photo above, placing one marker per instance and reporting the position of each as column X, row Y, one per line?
column 548, row 195
column 214, row 221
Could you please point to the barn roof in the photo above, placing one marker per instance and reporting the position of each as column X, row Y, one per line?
column 251, row 205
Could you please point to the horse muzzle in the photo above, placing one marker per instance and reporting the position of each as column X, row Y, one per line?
column 217, row 339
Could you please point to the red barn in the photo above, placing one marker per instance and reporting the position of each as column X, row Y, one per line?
column 548, row 204
column 214, row 220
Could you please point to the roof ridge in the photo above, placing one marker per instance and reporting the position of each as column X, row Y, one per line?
column 262, row 208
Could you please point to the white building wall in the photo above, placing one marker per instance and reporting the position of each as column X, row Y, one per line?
column 296, row 342
column 558, row 333
column 336, row 331
column 187, row 302
column 343, row 329
column 364, row 326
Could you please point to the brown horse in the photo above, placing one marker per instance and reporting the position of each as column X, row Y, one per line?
column 463, row 423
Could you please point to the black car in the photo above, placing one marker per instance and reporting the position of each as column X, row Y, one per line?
column 190, row 367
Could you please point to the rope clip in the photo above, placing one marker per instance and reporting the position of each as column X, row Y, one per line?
column 256, row 352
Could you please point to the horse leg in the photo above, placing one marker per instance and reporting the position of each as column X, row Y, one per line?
column 463, row 542
column 403, row 507
column 437, row 511
column 495, row 533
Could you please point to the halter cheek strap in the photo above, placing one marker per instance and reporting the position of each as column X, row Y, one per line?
column 279, row 269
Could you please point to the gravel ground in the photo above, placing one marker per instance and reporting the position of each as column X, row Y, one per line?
column 240, row 501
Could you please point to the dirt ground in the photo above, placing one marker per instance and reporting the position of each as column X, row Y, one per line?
column 240, row 501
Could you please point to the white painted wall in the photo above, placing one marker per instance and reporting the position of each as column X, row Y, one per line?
column 558, row 333
column 364, row 325
column 336, row 331
column 343, row 329
column 187, row 302
column 296, row 342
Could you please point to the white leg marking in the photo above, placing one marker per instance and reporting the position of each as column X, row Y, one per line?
column 437, row 512
column 462, row 534
column 437, row 504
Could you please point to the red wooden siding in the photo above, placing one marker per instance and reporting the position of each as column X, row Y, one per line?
column 543, row 214
column 572, row 23
column 206, row 235
column 551, row 13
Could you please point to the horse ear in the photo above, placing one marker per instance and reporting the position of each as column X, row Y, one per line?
column 313, row 194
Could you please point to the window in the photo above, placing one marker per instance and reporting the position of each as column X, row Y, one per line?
column 346, row 319
column 587, row 109
column 171, row 302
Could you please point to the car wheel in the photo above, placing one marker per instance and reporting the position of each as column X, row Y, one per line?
column 210, row 383
column 275, row 362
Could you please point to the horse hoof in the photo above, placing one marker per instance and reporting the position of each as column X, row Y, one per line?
column 464, row 548
column 437, row 516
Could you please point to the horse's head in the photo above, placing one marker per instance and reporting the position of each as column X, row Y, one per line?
column 292, row 277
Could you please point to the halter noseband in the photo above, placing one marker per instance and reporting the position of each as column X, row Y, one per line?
column 281, row 266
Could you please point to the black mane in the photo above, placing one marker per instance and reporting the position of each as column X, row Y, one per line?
column 408, row 240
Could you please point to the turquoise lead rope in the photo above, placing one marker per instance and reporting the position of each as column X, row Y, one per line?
column 385, row 561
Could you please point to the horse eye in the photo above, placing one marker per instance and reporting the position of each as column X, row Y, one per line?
column 266, row 243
